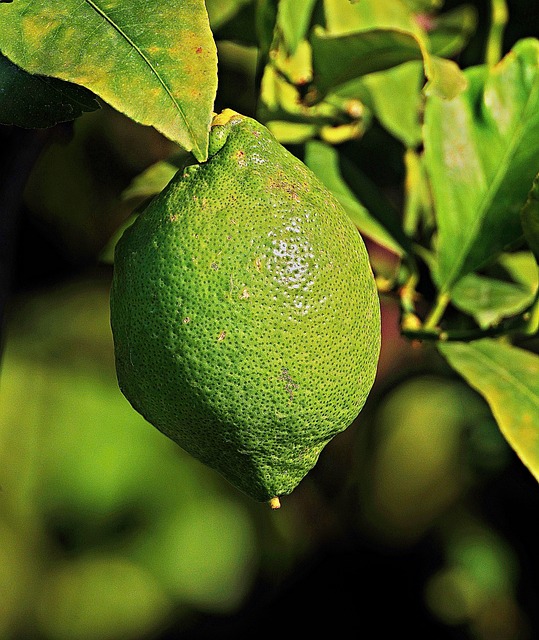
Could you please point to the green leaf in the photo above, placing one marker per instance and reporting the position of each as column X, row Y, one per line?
column 154, row 61
column 490, row 300
column 222, row 11
column 342, row 17
column 373, row 36
column 445, row 78
column 292, row 132
column 451, row 31
column 508, row 378
column 482, row 155
column 323, row 160
column 33, row 101
column 421, row 5
column 339, row 59
column 530, row 218
column 521, row 268
column 293, row 18
column 394, row 97
column 151, row 181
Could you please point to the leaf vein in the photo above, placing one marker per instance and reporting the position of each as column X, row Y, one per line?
column 148, row 62
column 506, row 375
column 493, row 188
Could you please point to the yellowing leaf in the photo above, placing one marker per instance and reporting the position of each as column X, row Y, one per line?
column 154, row 61
column 508, row 378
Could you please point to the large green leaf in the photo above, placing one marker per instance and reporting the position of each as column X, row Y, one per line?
column 154, row 61
column 372, row 36
column 339, row 59
column 33, row 101
column 508, row 378
column 482, row 154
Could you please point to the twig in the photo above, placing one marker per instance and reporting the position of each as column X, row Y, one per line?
column 499, row 16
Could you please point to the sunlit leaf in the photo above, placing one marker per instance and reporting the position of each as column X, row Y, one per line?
column 482, row 155
column 420, row 5
column 417, row 213
column 33, row 101
column 342, row 16
column 508, row 378
column 155, row 62
column 293, row 19
column 295, row 67
column 292, row 132
column 323, row 160
column 445, row 78
column 521, row 267
column 281, row 101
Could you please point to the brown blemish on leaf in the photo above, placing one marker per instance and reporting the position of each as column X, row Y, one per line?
column 198, row 50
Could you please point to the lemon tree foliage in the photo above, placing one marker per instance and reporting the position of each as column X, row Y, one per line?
column 156, row 64
column 38, row 101
column 331, row 77
column 507, row 377
column 482, row 161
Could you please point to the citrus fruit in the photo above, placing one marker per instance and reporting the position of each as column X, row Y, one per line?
column 244, row 311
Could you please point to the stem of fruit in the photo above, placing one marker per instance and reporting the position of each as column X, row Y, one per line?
column 407, row 293
column 436, row 314
column 498, row 19
column 275, row 503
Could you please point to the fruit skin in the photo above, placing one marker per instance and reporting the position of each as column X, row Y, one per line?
column 244, row 312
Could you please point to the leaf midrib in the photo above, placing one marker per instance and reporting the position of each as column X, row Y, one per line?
column 452, row 277
column 148, row 62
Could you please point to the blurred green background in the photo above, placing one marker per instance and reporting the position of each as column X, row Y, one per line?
column 418, row 519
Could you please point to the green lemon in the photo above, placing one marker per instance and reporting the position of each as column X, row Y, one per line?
column 244, row 311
